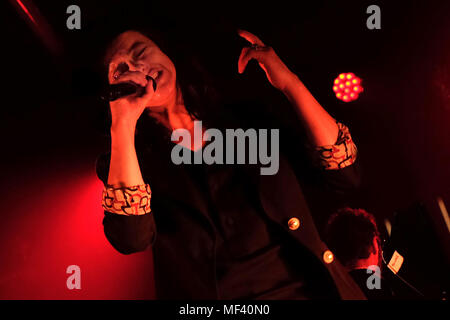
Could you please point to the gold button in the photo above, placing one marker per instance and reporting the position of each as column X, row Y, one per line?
column 293, row 223
column 328, row 256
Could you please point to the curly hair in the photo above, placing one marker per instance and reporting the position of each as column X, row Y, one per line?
column 350, row 233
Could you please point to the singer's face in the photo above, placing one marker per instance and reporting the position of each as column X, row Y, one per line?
column 134, row 56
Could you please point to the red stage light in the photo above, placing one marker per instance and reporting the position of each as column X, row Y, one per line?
column 347, row 87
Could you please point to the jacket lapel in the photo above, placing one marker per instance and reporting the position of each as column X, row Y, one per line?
column 282, row 199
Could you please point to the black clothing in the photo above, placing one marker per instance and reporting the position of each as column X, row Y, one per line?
column 250, row 252
column 384, row 292
column 220, row 231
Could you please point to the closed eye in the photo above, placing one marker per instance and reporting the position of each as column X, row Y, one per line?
column 140, row 53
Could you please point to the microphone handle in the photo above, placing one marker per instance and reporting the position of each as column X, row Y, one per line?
column 117, row 91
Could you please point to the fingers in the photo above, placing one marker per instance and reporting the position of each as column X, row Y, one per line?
column 148, row 92
column 250, row 37
column 150, row 87
column 243, row 59
column 144, row 93
column 249, row 53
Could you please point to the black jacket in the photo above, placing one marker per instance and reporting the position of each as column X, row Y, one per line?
column 183, row 239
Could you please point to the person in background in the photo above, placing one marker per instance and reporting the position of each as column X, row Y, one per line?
column 353, row 236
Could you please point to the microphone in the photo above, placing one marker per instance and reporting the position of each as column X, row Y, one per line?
column 120, row 90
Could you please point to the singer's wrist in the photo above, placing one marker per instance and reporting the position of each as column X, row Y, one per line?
column 123, row 126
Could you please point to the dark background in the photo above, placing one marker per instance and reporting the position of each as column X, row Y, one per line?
column 50, row 123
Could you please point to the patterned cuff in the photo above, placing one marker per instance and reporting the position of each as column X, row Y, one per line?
column 133, row 200
column 340, row 155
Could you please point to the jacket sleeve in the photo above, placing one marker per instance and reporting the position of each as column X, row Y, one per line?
column 334, row 167
column 126, row 233
column 338, row 162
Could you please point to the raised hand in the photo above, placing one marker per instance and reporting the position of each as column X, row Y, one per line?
column 276, row 71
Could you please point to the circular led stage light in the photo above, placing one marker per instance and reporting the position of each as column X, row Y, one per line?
column 347, row 87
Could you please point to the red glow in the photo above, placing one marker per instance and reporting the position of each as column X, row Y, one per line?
column 22, row 6
column 29, row 11
column 61, row 225
column 352, row 88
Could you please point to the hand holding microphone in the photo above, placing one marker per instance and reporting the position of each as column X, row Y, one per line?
column 117, row 91
column 128, row 95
